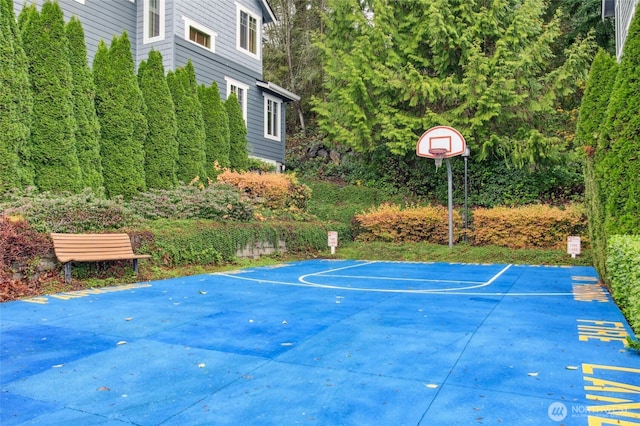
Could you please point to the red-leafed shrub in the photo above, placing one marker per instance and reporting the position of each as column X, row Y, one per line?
column 20, row 251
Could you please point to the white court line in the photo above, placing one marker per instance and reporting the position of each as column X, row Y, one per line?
column 304, row 283
column 421, row 280
column 303, row 279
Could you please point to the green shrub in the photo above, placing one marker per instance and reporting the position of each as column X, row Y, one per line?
column 536, row 226
column 84, row 92
column 215, row 202
column 120, row 110
column 593, row 110
column 620, row 162
column 161, row 145
column 216, row 126
column 340, row 203
column 191, row 134
column 206, row 242
column 238, row 154
column 53, row 126
column 66, row 212
column 16, row 102
column 623, row 266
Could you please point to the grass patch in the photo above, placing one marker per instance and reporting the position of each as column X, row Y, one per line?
column 463, row 253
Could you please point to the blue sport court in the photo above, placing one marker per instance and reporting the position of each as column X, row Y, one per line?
column 325, row 342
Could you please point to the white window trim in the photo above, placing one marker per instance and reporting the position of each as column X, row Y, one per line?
column 145, row 13
column 190, row 23
column 80, row 1
column 232, row 82
column 277, row 124
column 239, row 9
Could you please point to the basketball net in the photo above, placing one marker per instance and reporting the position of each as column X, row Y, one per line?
column 438, row 155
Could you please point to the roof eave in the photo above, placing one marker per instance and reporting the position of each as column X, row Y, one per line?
column 268, row 12
column 285, row 94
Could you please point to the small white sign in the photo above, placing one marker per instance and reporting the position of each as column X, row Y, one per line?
column 333, row 239
column 573, row 245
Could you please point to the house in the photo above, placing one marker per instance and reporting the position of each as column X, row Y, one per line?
column 223, row 40
column 622, row 11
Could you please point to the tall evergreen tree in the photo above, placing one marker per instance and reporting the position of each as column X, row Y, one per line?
column 593, row 113
column 394, row 69
column 191, row 134
column 54, row 126
column 216, row 126
column 16, row 104
column 621, row 162
column 88, row 130
column 238, row 155
column 120, row 110
column 161, row 145
column 290, row 57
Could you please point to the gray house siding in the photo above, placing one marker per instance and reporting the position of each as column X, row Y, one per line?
column 165, row 46
column 103, row 19
column 220, row 16
column 213, row 67
column 624, row 11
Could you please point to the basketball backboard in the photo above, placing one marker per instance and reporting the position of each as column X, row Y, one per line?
column 441, row 142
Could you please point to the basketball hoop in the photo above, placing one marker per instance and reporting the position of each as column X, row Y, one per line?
column 438, row 155
column 442, row 142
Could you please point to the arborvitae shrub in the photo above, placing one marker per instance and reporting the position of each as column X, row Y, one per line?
column 53, row 126
column 593, row 112
column 191, row 135
column 84, row 91
column 238, row 155
column 216, row 125
column 161, row 145
column 621, row 162
column 120, row 110
column 16, row 169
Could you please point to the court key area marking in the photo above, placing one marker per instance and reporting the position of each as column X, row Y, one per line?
column 305, row 281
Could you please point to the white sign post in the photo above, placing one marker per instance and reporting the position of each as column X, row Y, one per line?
column 333, row 241
column 573, row 246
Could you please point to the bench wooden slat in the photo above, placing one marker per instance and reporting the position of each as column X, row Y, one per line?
column 93, row 248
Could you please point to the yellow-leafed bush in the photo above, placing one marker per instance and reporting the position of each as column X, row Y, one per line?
column 273, row 190
column 536, row 226
column 389, row 222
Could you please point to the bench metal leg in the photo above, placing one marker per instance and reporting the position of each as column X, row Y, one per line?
column 67, row 272
column 135, row 266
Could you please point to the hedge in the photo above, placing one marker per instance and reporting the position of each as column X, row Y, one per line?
column 390, row 222
column 536, row 226
column 208, row 242
column 623, row 266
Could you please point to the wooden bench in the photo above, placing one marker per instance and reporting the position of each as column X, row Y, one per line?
column 71, row 248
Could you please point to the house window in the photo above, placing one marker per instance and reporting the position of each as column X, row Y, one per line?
column 248, row 32
column 153, row 20
column 272, row 107
column 199, row 34
column 241, row 91
column 199, row 37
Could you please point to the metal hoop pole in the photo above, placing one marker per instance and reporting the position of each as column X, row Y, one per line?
column 450, row 183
